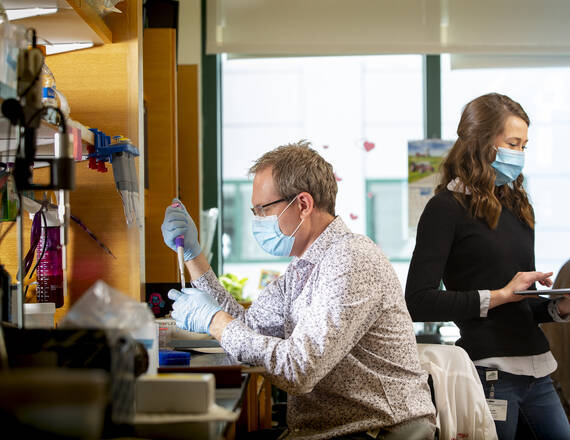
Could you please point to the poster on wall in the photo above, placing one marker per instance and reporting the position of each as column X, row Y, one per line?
column 424, row 158
column 267, row 277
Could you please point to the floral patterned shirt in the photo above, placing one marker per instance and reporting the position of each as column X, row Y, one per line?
column 335, row 333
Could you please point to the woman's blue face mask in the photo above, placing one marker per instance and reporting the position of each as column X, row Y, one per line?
column 508, row 165
column 269, row 236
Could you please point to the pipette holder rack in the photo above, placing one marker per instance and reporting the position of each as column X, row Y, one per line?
column 105, row 147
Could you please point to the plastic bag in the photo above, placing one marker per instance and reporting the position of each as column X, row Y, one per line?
column 101, row 306
column 208, row 223
column 12, row 39
column 104, row 7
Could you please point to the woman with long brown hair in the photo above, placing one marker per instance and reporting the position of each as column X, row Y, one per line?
column 477, row 235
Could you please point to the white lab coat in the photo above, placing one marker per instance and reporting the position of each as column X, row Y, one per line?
column 462, row 410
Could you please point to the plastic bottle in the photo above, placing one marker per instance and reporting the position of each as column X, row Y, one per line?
column 50, row 267
column 48, row 83
column 62, row 103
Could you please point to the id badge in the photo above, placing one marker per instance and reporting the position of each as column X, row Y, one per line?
column 498, row 409
column 492, row 375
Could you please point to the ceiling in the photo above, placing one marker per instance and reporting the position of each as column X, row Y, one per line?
column 329, row 27
column 62, row 27
column 26, row 4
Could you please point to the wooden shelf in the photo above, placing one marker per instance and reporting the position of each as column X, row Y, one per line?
column 103, row 88
column 76, row 21
column 44, row 138
column 92, row 19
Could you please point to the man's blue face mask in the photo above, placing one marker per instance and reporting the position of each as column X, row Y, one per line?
column 508, row 165
column 269, row 236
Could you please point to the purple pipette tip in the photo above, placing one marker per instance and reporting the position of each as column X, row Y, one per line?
column 179, row 241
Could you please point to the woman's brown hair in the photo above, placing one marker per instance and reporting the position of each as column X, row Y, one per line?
column 470, row 158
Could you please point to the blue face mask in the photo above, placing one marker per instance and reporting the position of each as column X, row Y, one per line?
column 269, row 236
column 508, row 165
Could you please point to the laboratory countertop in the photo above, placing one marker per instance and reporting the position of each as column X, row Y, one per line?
column 230, row 395
column 47, row 367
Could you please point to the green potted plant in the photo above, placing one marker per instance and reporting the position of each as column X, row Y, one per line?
column 234, row 284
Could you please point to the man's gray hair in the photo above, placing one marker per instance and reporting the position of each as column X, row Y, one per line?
column 298, row 168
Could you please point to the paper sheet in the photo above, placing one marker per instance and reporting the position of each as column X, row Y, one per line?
column 208, row 349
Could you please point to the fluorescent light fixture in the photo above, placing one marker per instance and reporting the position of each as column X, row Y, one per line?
column 66, row 47
column 17, row 14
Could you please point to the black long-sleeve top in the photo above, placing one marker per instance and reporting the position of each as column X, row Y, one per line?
column 469, row 256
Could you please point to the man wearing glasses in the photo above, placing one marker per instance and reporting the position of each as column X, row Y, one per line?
column 333, row 331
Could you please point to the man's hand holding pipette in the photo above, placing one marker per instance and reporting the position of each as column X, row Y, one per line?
column 177, row 222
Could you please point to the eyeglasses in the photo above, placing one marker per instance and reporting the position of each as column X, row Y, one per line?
column 259, row 210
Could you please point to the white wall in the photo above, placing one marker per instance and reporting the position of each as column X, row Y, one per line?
column 189, row 32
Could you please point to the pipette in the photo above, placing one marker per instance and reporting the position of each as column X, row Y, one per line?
column 180, row 251
column 179, row 241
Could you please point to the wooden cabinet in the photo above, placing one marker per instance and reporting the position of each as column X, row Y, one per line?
column 171, row 99
column 162, row 128
column 103, row 86
column 257, row 406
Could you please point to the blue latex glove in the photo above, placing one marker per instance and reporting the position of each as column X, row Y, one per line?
column 177, row 222
column 193, row 309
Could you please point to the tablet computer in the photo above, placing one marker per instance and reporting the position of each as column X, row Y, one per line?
column 544, row 292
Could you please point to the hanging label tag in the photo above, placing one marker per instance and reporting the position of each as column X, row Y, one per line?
column 491, row 375
column 498, row 409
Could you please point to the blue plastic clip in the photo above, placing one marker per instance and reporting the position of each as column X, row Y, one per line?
column 105, row 148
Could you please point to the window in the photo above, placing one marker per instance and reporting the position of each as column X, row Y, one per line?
column 387, row 222
column 238, row 245
column 358, row 112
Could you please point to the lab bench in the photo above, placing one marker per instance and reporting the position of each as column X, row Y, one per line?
column 239, row 388
column 231, row 398
column 47, row 368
